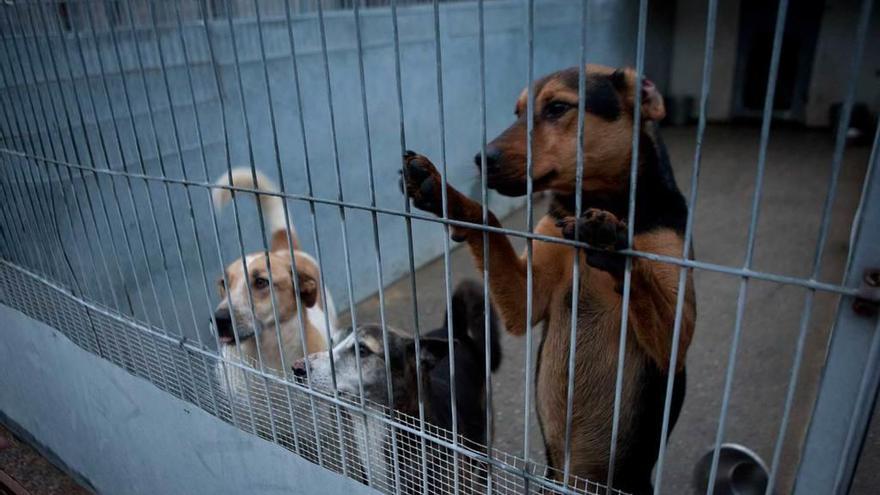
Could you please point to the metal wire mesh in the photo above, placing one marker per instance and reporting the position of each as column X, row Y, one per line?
column 67, row 175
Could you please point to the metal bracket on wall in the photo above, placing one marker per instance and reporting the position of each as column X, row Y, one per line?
column 868, row 300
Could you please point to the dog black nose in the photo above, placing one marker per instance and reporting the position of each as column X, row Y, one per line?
column 299, row 368
column 493, row 159
column 224, row 325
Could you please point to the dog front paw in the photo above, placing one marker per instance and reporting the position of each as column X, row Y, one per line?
column 421, row 182
column 602, row 231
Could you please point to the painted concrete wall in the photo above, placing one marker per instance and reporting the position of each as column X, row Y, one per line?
column 830, row 67
column 688, row 47
column 108, row 127
column 121, row 434
column 834, row 49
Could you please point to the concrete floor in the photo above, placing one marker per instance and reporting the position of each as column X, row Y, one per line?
column 794, row 190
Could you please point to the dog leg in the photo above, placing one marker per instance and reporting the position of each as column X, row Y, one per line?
column 507, row 271
column 654, row 284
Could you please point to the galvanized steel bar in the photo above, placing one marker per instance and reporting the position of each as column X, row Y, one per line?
column 576, row 264
column 630, row 226
column 484, row 200
column 447, row 275
column 226, row 139
column 672, row 260
column 530, row 128
column 412, row 273
column 300, row 308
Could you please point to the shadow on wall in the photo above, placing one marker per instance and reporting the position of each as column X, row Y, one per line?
column 189, row 145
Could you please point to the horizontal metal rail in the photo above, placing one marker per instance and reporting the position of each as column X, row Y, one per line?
column 700, row 265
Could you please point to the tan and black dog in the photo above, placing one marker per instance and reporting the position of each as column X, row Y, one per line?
column 660, row 217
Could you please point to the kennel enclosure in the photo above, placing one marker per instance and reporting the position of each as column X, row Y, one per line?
column 116, row 118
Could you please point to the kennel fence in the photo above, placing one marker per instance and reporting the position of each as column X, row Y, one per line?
column 83, row 198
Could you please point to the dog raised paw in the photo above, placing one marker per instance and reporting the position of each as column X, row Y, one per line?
column 602, row 231
column 421, row 182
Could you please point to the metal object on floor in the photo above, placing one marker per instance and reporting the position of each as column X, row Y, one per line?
column 740, row 472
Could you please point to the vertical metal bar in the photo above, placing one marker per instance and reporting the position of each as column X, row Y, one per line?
column 46, row 265
column 73, row 229
column 740, row 307
column 530, row 127
column 630, row 224
column 412, row 276
column 374, row 218
column 226, row 139
column 682, row 278
column 756, row 199
column 308, row 174
column 45, row 202
column 287, row 223
column 106, row 154
column 119, row 149
column 26, row 256
column 180, row 152
column 131, row 199
column 842, row 127
column 52, row 207
column 247, row 135
column 147, row 318
column 438, row 65
column 213, row 213
column 174, row 225
column 843, row 407
column 846, row 466
column 838, row 157
column 30, row 256
column 99, row 245
column 352, row 307
column 484, row 200
column 13, row 229
column 200, row 258
column 576, row 265
column 105, row 151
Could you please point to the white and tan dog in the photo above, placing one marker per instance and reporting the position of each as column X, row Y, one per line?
column 248, row 318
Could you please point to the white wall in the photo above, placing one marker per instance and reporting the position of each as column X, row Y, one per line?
column 837, row 37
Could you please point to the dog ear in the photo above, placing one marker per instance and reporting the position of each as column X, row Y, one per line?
column 308, row 289
column 279, row 243
column 653, row 107
column 432, row 351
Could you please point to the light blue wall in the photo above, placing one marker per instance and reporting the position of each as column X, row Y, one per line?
column 557, row 34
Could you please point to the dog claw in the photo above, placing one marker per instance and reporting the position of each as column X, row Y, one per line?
column 598, row 228
column 603, row 232
column 420, row 181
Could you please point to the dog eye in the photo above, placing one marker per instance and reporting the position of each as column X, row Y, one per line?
column 260, row 283
column 556, row 109
column 363, row 350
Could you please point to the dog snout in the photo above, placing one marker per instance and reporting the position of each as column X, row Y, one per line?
column 493, row 159
column 299, row 368
column 223, row 319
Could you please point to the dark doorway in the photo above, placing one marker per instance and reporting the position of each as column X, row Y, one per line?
column 757, row 23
